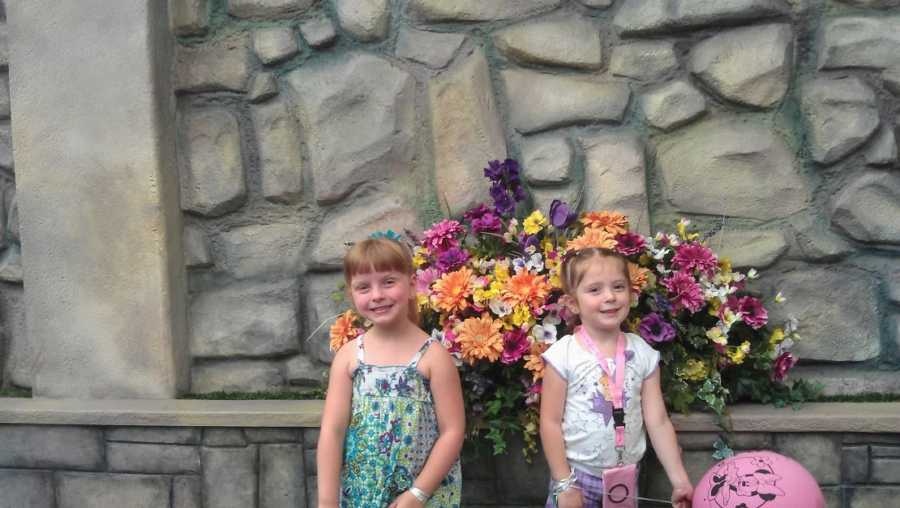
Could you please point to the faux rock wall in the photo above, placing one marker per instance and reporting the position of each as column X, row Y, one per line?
column 306, row 124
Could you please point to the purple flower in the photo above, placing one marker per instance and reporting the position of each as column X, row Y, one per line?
column 662, row 303
column 782, row 365
column 654, row 328
column 487, row 223
column 629, row 243
column 451, row 259
column 506, row 187
column 515, row 344
column 526, row 241
column 503, row 202
column 560, row 215
column 494, row 171
column 424, row 278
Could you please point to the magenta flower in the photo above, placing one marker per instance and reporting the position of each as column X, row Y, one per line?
column 782, row 365
column 655, row 329
column 629, row 243
column 693, row 256
column 515, row 345
column 487, row 223
column 476, row 212
column 750, row 310
column 684, row 292
column 442, row 235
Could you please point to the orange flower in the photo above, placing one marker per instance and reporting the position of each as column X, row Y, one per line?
column 344, row 330
column 611, row 222
column 479, row 338
column 526, row 288
column 638, row 277
column 592, row 237
column 533, row 360
column 449, row 293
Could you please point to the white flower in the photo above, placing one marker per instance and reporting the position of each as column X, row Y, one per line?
column 779, row 298
column 535, row 263
column 499, row 307
column 791, row 325
column 544, row 333
column 660, row 253
column 752, row 274
column 552, row 318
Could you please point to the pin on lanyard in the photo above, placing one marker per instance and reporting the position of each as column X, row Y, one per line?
column 618, row 385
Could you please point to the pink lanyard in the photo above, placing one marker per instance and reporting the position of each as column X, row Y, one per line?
column 618, row 385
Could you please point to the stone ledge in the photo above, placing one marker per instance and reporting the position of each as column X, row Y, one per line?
column 864, row 417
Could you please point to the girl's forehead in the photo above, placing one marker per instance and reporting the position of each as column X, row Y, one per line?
column 372, row 273
column 604, row 267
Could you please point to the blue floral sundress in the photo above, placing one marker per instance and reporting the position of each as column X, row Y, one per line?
column 392, row 429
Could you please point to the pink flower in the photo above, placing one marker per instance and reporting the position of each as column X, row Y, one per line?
column 629, row 243
column 749, row 309
column 515, row 344
column 441, row 236
column 684, row 292
column 782, row 365
column 424, row 278
column 693, row 256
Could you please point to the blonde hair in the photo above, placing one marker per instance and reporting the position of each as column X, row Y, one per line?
column 575, row 264
column 381, row 255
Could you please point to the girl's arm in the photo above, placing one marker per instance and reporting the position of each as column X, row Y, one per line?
column 553, row 407
column 662, row 435
column 335, row 418
column 448, row 406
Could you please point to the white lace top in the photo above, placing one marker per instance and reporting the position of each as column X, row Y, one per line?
column 587, row 425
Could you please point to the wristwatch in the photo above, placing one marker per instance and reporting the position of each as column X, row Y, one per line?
column 419, row 494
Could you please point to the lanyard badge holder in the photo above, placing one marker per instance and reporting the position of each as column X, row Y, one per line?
column 620, row 482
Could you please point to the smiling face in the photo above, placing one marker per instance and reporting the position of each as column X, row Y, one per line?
column 382, row 297
column 602, row 297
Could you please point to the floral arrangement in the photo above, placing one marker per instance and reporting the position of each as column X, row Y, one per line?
column 489, row 287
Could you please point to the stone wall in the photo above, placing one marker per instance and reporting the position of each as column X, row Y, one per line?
column 303, row 125
column 72, row 466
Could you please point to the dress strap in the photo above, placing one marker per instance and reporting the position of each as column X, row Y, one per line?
column 418, row 356
column 360, row 354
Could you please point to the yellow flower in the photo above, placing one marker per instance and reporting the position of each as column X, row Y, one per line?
column 725, row 264
column 779, row 298
column 547, row 246
column 714, row 304
column 681, row 227
column 592, row 237
column 501, row 271
column 422, row 301
column 480, row 338
column 449, row 293
column 739, row 354
column 693, row 370
column 522, row 316
column 729, row 318
column 611, row 222
column 777, row 336
column 716, row 335
column 534, row 223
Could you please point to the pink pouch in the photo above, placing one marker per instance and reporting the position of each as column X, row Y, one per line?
column 620, row 487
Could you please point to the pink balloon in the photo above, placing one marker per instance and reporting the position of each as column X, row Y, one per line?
column 760, row 479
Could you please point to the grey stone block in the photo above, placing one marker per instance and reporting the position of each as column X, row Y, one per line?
column 92, row 490
column 224, row 437
column 230, row 477
column 310, row 438
column 518, row 481
column 282, row 480
column 479, row 492
column 30, row 446
column 818, row 453
column 863, row 438
column 186, row 492
column 26, row 489
column 855, row 464
column 834, row 497
column 885, row 470
column 872, row 497
column 312, row 492
column 886, row 451
column 162, row 435
column 312, row 467
column 272, row 435
column 152, row 458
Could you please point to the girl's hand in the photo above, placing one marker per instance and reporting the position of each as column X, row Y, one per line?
column 682, row 495
column 406, row 500
column 570, row 498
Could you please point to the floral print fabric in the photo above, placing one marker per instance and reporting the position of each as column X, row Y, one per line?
column 392, row 429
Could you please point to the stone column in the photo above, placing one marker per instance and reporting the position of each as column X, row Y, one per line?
column 97, row 185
